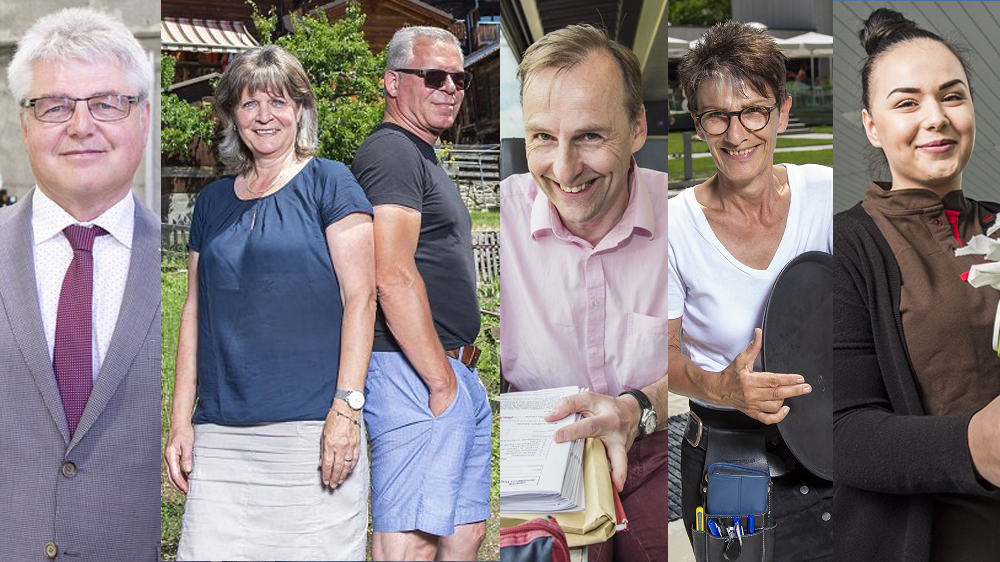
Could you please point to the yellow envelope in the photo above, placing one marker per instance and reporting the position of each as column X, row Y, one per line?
column 594, row 524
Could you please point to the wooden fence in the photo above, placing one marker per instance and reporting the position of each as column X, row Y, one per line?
column 475, row 169
column 486, row 247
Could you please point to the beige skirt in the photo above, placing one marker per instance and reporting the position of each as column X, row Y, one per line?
column 256, row 494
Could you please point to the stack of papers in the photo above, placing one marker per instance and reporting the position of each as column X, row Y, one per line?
column 538, row 475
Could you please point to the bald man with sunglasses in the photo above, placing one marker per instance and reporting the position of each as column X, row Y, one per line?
column 428, row 416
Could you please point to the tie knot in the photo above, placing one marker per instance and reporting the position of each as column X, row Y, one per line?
column 82, row 237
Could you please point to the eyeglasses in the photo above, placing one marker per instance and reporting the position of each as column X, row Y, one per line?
column 753, row 118
column 435, row 79
column 104, row 107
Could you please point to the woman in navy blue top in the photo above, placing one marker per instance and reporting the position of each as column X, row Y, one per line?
column 275, row 335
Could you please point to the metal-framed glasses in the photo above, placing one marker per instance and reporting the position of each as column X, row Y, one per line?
column 753, row 118
column 435, row 79
column 104, row 107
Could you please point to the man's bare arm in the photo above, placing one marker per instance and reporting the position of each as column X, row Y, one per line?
column 403, row 298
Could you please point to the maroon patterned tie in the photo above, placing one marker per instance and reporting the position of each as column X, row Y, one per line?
column 72, row 358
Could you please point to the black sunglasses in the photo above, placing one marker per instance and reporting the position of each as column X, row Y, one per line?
column 435, row 79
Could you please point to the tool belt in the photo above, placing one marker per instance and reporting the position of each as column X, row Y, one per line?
column 467, row 354
column 734, row 522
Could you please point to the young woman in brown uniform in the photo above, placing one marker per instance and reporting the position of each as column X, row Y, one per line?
column 916, row 413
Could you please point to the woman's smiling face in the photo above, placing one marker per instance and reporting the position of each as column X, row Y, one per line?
column 741, row 155
column 921, row 115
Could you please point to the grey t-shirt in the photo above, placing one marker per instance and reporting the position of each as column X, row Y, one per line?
column 395, row 167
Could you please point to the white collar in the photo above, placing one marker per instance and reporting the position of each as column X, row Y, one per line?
column 49, row 219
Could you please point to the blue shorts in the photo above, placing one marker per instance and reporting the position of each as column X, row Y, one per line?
column 428, row 474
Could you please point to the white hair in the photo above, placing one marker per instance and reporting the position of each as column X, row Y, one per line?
column 78, row 34
column 401, row 45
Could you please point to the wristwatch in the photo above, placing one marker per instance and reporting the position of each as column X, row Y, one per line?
column 354, row 398
column 647, row 420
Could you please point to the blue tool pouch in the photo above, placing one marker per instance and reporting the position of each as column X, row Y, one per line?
column 738, row 524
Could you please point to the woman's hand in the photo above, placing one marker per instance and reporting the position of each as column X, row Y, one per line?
column 758, row 394
column 984, row 441
column 340, row 445
column 178, row 455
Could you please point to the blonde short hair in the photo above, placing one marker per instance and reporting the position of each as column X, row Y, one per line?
column 570, row 46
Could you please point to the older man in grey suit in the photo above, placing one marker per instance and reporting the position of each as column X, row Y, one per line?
column 79, row 304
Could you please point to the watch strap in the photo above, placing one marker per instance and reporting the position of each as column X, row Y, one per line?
column 641, row 397
column 645, row 412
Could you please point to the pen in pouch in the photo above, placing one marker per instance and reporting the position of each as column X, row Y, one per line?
column 750, row 524
column 714, row 529
column 699, row 519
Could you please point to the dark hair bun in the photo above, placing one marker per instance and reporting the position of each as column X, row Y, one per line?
column 885, row 27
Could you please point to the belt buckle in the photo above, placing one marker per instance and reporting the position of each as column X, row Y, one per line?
column 696, row 441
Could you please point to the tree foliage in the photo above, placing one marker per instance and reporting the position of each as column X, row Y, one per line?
column 345, row 75
column 699, row 12
column 181, row 122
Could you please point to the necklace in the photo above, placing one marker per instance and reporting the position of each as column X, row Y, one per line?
column 259, row 194
column 273, row 183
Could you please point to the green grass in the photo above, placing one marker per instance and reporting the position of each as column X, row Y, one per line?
column 173, row 283
column 828, row 129
column 173, row 287
column 675, row 143
column 705, row 167
column 485, row 220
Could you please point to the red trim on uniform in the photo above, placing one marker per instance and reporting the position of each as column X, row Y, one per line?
column 953, row 220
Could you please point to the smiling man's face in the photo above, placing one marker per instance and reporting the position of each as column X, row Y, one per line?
column 580, row 142
column 84, row 159
column 428, row 110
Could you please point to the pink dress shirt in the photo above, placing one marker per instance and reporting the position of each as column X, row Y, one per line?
column 575, row 314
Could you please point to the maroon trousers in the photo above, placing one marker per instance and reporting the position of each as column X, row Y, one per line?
column 645, row 501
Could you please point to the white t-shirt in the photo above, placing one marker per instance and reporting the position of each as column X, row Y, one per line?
column 719, row 299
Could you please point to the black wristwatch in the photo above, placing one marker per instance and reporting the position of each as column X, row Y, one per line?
column 647, row 420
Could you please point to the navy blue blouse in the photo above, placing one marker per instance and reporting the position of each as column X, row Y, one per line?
column 269, row 307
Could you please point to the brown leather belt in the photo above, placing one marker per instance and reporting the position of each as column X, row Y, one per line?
column 467, row 354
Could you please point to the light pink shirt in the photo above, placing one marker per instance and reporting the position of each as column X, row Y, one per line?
column 575, row 314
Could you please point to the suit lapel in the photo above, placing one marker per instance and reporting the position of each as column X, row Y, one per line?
column 140, row 304
column 20, row 300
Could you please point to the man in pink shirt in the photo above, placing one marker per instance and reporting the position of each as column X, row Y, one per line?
column 583, row 242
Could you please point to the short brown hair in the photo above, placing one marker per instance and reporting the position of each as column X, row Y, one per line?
column 734, row 50
column 570, row 46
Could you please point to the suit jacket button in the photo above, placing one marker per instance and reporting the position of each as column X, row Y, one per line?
column 51, row 550
column 68, row 469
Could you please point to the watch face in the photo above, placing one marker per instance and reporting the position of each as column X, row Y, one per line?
column 356, row 400
column 649, row 423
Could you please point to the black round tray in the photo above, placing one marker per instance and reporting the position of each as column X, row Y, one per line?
column 798, row 338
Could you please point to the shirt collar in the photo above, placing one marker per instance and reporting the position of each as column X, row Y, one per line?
column 915, row 201
column 638, row 213
column 49, row 219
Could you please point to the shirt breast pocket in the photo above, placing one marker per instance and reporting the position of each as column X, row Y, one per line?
column 645, row 352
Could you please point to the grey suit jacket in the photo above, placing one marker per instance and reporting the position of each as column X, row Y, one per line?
column 94, row 497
